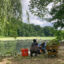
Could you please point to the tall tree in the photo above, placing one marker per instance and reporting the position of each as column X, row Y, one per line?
column 9, row 9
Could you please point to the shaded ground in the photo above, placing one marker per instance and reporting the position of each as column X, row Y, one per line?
column 41, row 59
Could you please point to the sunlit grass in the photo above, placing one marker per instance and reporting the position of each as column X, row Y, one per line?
column 24, row 38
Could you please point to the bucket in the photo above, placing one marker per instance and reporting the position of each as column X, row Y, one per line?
column 24, row 52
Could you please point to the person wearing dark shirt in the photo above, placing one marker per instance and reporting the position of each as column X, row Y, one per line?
column 34, row 48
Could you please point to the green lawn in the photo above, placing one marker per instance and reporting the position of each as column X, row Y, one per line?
column 24, row 38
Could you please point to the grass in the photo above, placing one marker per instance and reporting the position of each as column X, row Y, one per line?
column 24, row 38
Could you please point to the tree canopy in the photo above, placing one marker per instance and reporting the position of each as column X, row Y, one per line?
column 39, row 8
column 57, row 13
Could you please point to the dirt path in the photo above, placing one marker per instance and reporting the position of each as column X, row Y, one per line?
column 5, row 61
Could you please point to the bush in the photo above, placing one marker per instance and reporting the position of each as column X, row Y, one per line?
column 53, row 42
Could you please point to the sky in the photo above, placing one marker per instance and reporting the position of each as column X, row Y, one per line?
column 33, row 19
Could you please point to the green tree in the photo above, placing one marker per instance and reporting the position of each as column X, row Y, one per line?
column 39, row 8
column 9, row 9
column 48, row 31
column 34, row 30
column 57, row 13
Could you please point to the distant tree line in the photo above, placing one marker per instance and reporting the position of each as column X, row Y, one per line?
column 33, row 30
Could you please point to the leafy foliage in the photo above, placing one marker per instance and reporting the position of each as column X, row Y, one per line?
column 39, row 8
column 58, row 14
column 53, row 42
column 10, row 12
column 32, row 30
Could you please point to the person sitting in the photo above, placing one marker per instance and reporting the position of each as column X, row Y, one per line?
column 39, row 48
column 34, row 48
column 43, row 47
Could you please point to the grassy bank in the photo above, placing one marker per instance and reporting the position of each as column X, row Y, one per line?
column 24, row 38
